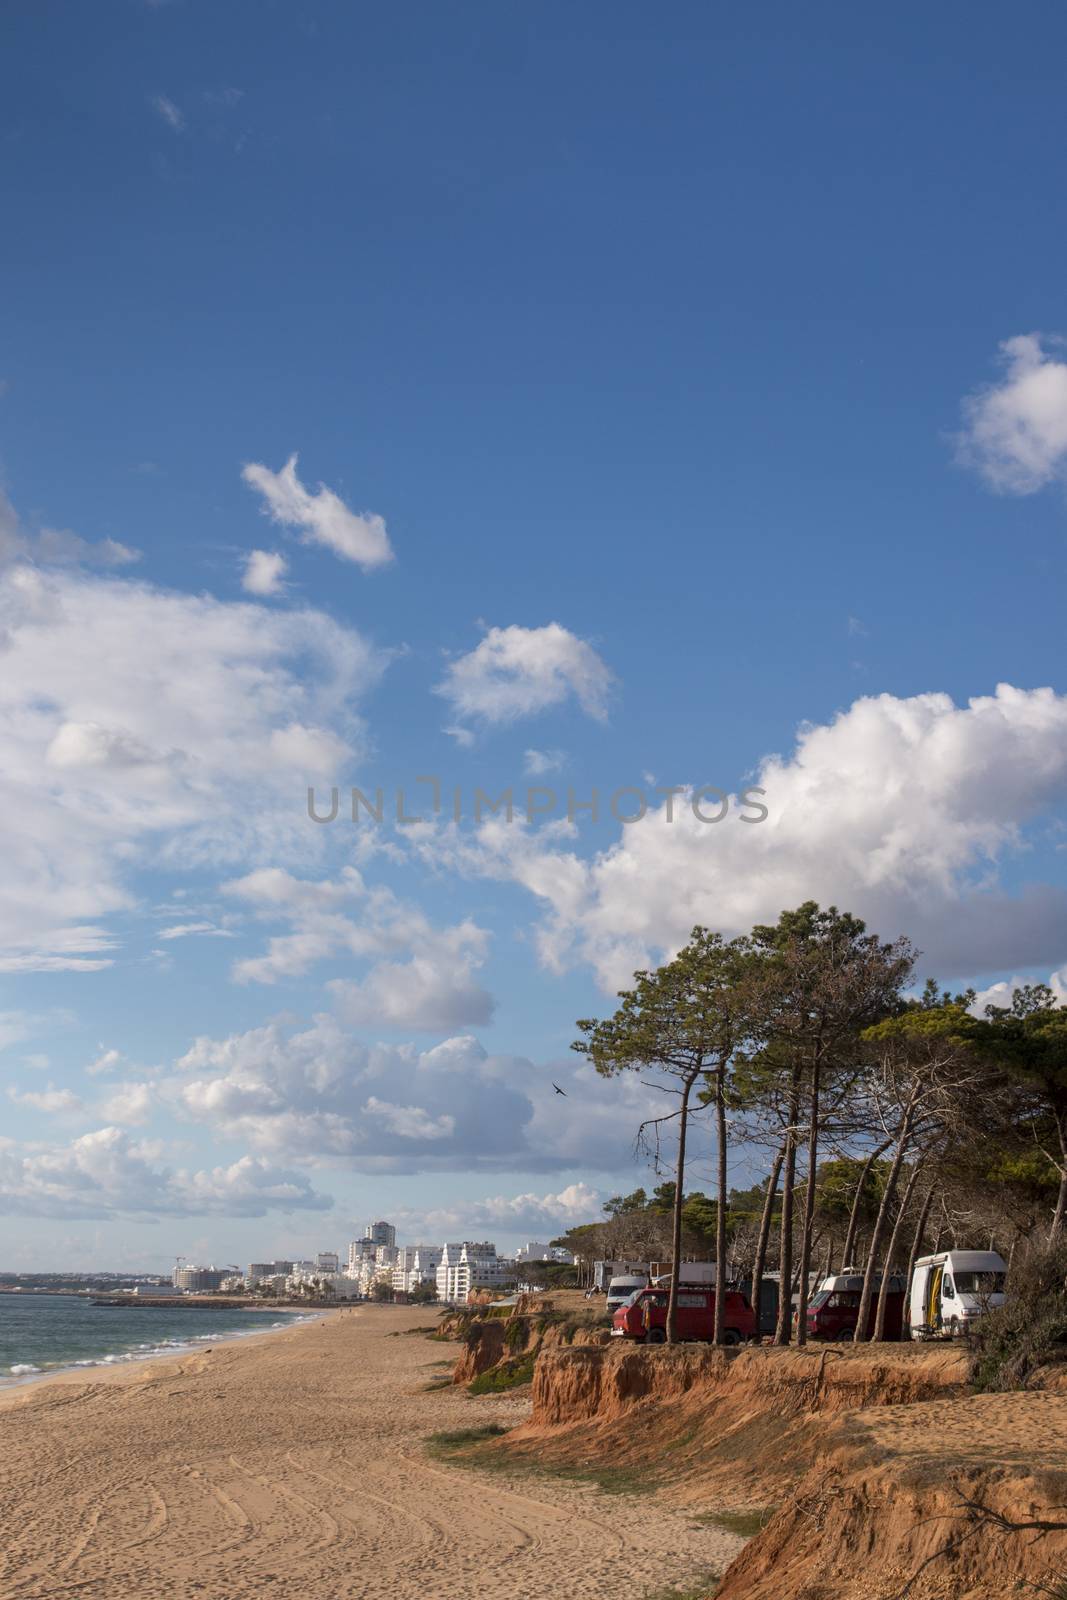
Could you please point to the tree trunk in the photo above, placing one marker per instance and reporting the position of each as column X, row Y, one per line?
column 854, row 1214
column 720, row 1220
column 916, row 1244
column 1061, row 1196
column 785, row 1264
column 809, row 1209
column 890, row 1252
column 765, row 1234
column 676, row 1231
column 864, row 1311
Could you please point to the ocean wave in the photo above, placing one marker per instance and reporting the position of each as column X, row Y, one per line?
column 22, row 1367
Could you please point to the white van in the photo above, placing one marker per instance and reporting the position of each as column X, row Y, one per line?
column 949, row 1291
column 621, row 1288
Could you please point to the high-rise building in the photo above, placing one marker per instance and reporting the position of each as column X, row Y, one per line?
column 358, row 1251
column 202, row 1280
column 328, row 1261
column 471, row 1265
column 380, row 1232
column 416, row 1264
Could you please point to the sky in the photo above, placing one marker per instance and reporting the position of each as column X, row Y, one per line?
column 547, row 399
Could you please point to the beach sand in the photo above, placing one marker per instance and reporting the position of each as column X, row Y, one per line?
column 293, row 1465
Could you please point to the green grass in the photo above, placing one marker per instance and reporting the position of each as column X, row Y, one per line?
column 745, row 1523
column 461, row 1448
column 505, row 1375
column 696, row 1589
column 447, row 1443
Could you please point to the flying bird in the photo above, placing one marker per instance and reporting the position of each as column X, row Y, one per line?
column 558, row 1090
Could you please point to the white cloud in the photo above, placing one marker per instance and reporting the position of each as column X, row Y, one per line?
column 106, row 1174
column 264, row 572
column 323, row 518
column 433, row 987
column 410, row 1122
column 56, row 547
column 319, row 1093
column 901, row 810
column 138, row 724
column 106, row 1061
column 539, row 763
column 517, row 672
column 541, row 1216
column 129, row 1104
column 1002, row 993
column 184, row 930
column 50, row 1100
column 165, row 108
column 1015, row 431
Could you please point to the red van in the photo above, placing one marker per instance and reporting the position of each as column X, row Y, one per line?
column 834, row 1311
column 644, row 1316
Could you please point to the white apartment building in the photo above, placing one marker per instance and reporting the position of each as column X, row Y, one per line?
column 415, row 1264
column 534, row 1250
column 380, row 1233
column 333, row 1285
column 471, row 1265
column 358, row 1251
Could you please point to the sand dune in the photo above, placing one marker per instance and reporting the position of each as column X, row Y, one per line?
column 292, row 1465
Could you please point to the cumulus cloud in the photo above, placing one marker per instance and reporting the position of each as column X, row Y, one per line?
column 542, row 1216
column 1015, row 431
column 106, row 1061
column 433, row 987
column 106, row 1174
column 539, row 763
column 318, row 1092
column 322, row 517
column 136, row 724
column 129, row 1104
column 1003, row 992
column 903, row 810
column 52, row 1101
column 517, row 672
column 264, row 572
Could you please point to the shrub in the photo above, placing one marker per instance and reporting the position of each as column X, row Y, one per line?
column 1030, row 1328
column 505, row 1375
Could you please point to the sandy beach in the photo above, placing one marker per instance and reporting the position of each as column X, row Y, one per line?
column 293, row 1464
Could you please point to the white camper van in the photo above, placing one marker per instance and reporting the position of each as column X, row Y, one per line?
column 950, row 1290
column 621, row 1288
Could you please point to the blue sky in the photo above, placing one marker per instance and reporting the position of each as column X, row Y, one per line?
column 703, row 370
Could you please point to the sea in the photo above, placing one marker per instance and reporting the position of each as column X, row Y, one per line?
column 42, row 1333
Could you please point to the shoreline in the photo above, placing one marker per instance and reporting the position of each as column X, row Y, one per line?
column 295, row 1462
column 115, row 1366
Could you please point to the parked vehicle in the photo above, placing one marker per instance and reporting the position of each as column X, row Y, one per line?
column 692, row 1272
column 950, row 1290
column 768, row 1310
column 604, row 1271
column 621, row 1288
column 833, row 1310
column 643, row 1318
